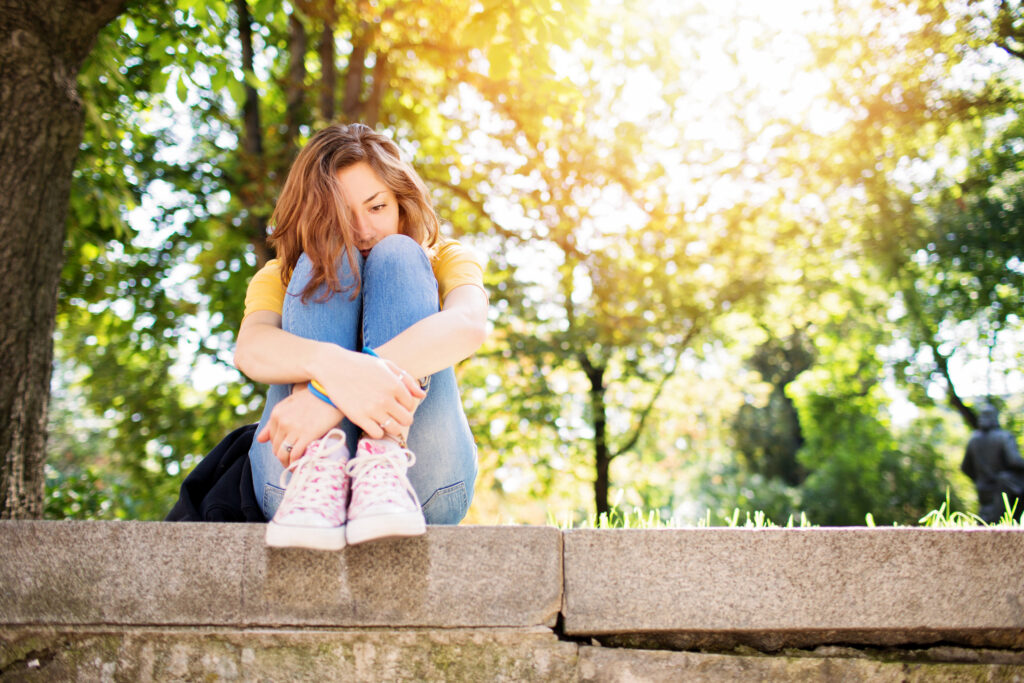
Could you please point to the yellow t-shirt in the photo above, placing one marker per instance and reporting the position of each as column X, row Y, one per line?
column 454, row 265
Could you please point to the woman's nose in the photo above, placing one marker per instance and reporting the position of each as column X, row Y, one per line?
column 363, row 228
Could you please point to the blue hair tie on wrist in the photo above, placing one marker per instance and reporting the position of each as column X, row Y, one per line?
column 368, row 350
column 318, row 391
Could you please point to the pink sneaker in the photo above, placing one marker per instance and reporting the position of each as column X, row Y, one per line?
column 383, row 502
column 312, row 514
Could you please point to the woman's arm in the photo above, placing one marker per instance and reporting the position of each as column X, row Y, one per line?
column 443, row 339
column 267, row 354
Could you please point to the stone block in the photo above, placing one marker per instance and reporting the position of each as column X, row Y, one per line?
column 121, row 573
column 180, row 654
column 451, row 577
column 614, row 665
column 774, row 588
column 154, row 573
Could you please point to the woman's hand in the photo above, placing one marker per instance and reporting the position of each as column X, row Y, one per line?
column 297, row 421
column 373, row 393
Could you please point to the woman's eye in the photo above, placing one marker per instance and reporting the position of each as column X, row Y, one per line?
column 377, row 207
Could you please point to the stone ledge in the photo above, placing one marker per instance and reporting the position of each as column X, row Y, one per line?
column 155, row 573
column 681, row 589
column 775, row 588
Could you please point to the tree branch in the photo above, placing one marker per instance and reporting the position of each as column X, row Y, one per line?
column 914, row 307
column 1007, row 31
column 954, row 398
column 648, row 409
column 1005, row 46
column 477, row 204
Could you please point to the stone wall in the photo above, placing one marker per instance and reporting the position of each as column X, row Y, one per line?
column 155, row 601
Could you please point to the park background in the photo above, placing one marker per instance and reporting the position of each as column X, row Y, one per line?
column 742, row 256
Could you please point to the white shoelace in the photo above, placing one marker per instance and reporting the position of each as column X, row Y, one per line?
column 375, row 475
column 312, row 485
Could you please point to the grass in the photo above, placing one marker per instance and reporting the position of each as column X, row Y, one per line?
column 618, row 518
column 946, row 518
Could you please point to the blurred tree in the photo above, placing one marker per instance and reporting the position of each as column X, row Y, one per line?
column 971, row 266
column 925, row 163
column 651, row 236
column 628, row 214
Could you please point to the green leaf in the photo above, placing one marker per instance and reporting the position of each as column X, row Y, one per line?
column 158, row 81
column 182, row 89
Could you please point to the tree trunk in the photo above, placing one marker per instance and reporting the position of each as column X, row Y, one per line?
column 254, row 166
column 42, row 47
column 602, row 454
column 371, row 116
column 253, row 137
column 294, row 86
column 352, row 104
column 328, row 72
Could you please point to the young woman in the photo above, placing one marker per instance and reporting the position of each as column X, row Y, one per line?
column 356, row 326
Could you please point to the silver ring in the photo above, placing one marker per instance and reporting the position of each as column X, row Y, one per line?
column 385, row 423
column 288, row 447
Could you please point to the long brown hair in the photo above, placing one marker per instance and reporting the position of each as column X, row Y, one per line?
column 311, row 215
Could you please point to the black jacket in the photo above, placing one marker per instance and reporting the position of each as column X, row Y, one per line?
column 219, row 489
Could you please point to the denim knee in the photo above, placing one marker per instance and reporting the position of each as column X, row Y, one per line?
column 396, row 246
column 399, row 289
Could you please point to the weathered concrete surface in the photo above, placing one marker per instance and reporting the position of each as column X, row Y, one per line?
column 518, row 654
column 152, row 573
column 613, row 665
column 168, row 654
column 774, row 588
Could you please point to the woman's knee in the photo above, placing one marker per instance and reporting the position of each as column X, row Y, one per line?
column 396, row 244
column 302, row 273
column 399, row 249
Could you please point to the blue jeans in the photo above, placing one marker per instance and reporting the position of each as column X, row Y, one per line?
column 398, row 289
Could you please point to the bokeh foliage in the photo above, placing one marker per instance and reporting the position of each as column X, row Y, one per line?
column 703, row 295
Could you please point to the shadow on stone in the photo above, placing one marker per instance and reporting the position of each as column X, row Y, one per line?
column 389, row 579
column 383, row 582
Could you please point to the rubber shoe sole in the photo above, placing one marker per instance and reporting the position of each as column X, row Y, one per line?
column 313, row 538
column 394, row 524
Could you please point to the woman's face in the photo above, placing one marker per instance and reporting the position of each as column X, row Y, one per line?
column 373, row 206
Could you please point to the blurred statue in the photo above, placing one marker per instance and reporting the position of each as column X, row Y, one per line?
column 994, row 463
